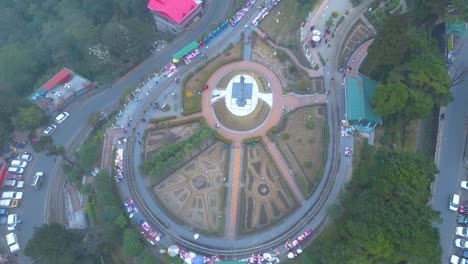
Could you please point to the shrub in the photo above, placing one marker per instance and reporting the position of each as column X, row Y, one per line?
column 285, row 136
column 310, row 124
column 308, row 164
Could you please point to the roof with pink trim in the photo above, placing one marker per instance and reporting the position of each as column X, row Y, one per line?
column 175, row 10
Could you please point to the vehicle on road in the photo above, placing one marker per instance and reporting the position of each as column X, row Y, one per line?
column 462, row 219
column 37, row 180
column 464, row 185
column 61, row 117
column 49, row 130
column 16, row 170
column 13, row 183
column 12, row 195
column 12, row 242
column 461, row 231
column 19, row 163
column 12, row 221
column 454, row 202
column 454, row 259
column 24, row 156
column 9, row 203
column 461, row 243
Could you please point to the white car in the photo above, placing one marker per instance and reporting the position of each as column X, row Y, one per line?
column 461, row 243
column 24, row 156
column 454, row 259
column 12, row 242
column 61, row 117
column 16, row 170
column 12, row 221
column 461, row 231
column 464, row 185
column 49, row 130
column 19, row 163
column 454, row 202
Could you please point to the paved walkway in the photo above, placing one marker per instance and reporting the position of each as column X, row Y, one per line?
column 231, row 218
column 281, row 103
column 358, row 57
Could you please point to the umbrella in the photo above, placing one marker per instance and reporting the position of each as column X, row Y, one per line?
column 196, row 236
column 290, row 255
column 189, row 257
column 316, row 38
column 175, row 60
column 299, row 251
column 316, row 32
column 198, row 260
column 173, row 250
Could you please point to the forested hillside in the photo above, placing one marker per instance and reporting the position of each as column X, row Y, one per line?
column 97, row 39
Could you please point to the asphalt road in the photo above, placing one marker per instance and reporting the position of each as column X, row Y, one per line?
column 450, row 159
column 32, row 206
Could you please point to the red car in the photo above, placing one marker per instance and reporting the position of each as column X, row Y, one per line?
column 12, row 176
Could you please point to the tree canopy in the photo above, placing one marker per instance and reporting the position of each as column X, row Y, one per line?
column 386, row 217
column 27, row 117
column 54, row 244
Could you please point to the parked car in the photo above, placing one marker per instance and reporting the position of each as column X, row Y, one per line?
column 461, row 243
column 24, row 156
column 461, row 231
column 16, row 170
column 12, row 242
column 12, row 195
column 462, row 209
column 12, row 221
column 462, row 219
column 12, row 176
column 454, row 202
column 19, row 163
column 464, row 185
column 49, row 130
column 61, row 117
column 454, row 259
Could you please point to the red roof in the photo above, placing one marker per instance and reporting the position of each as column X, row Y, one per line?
column 62, row 77
column 175, row 10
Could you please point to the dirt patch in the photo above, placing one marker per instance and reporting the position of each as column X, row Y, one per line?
column 241, row 123
column 265, row 198
column 193, row 86
column 283, row 23
column 293, row 78
column 194, row 194
column 305, row 148
column 156, row 139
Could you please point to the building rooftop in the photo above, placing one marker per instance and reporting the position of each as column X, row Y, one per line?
column 359, row 93
column 175, row 10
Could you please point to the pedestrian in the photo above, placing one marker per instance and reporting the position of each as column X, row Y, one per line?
column 138, row 133
column 139, row 142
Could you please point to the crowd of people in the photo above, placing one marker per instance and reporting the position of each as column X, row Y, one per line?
column 131, row 208
column 149, row 233
column 118, row 165
column 241, row 13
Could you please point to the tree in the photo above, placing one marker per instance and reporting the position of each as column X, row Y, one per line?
column 390, row 98
column 389, row 47
column 60, row 151
column 54, row 244
column 131, row 243
column 43, row 144
column 87, row 155
column 27, row 118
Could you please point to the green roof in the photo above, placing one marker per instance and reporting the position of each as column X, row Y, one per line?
column 359, row 93
column 185, row 50
column 457, row 28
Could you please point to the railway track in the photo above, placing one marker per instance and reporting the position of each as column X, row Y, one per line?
column 218, row 249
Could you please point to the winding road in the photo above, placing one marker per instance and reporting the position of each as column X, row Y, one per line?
column 310, row 215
